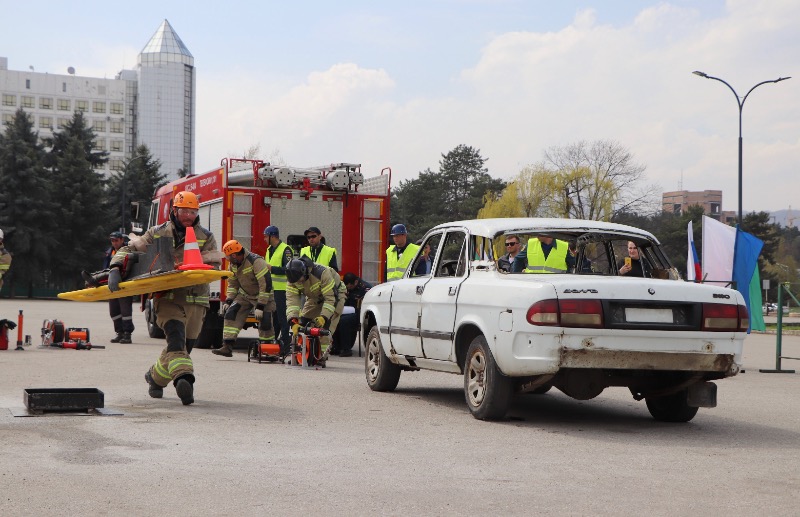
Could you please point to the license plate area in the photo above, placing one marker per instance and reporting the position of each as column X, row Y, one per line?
column 652, row 315
column 639, row 315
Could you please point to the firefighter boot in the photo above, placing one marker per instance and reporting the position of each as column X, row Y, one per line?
column 154, row 390
column 118, row 339
column 184, row 387
column 124, row 338
column 226, row 350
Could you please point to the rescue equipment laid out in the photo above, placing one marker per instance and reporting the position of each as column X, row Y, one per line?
column 306, row 349
column 55, row 335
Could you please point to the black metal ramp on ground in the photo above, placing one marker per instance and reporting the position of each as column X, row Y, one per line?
column 63, row 401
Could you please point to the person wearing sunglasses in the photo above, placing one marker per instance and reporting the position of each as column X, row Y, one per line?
column 317, row 251
column 512, row 245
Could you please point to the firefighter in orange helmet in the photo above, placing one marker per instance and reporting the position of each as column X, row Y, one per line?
column 250, row 287
column 179, row 312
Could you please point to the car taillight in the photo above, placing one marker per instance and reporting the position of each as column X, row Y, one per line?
column 718, row 317
column 744, row 318
column 581, row 313
column 544, row 312
column 566, row 313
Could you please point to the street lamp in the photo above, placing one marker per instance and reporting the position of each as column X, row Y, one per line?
column 740, row 102
column 123, row 185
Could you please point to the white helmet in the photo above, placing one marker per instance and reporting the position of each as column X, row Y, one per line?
column 1, row 235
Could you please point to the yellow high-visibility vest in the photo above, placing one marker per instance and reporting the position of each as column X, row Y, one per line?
column 396, row 266
column 324, row 257
column 276, row 260
column 556, row 261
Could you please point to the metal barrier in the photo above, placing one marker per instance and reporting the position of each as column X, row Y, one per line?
column 779, row 331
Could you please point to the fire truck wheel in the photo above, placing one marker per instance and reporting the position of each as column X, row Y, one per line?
column 382, row 374
column 153, row 330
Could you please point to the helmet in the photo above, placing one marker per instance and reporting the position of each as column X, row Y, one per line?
column 295, row 270
column 116, row 235
column 1, row 235
column 399, row 229
column 271, row 230
column 186, row 200
column 231, row 247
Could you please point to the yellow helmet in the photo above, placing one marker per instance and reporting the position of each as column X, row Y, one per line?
column 186, row 200
column 231, row 247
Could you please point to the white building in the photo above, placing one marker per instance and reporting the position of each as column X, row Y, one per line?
column 152, row 105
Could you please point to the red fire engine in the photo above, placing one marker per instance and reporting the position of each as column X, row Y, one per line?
column 242, row 197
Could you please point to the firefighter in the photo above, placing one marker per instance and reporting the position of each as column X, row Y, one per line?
column 5, row 259
column 325, row 296
column 317, row 251
column 400, row 254
column 250, row 287
column 278, row 256
column 179, row 312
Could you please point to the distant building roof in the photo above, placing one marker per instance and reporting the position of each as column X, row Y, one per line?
column 166, row 41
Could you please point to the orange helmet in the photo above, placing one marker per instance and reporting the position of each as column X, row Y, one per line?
column 186, row 200
column 231, row 247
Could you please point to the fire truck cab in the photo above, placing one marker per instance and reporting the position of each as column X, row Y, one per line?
column 242, row 197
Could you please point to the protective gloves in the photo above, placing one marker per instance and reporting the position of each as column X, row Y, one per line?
column 321, row 322
column 259, row 312
column 225, row 306
column 114, row 278
column 295, row 324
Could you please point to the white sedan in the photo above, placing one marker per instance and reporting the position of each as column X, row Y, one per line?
column 581, row 331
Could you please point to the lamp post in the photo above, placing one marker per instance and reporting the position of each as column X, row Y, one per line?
column 740, row 103
column 124, row 184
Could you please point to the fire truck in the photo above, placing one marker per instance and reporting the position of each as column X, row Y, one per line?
column 242, row 197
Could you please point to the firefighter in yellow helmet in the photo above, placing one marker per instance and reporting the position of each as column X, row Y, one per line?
column 325, row 296
column 179, row 312
column 250, row 287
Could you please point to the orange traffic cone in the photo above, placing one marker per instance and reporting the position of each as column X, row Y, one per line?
column 191, row 253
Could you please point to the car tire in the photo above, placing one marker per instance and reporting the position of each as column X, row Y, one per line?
column 382, row 374
column 487, row 391
column 153, row 330
column 671, row 408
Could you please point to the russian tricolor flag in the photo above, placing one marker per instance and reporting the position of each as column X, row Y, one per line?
column 693, row 271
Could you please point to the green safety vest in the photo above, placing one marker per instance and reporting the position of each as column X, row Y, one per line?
column 275, row 260
column 396, row 266
column 556, row 261
column 324, row 257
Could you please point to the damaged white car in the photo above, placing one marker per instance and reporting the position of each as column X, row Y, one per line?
column 581, row 327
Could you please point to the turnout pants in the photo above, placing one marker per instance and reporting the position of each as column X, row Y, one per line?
column 281, row 324
column 236, row 315
column 181, row 322
column 121, row 311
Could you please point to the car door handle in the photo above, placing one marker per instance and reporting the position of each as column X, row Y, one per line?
column 453, row 290
column 420, row 288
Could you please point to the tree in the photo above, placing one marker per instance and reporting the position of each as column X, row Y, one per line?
column 76, row 129
column 26, row 210
column 757, row 223
column 140, row 179
column 453, row 193
column 82, row 209
column 583, row 181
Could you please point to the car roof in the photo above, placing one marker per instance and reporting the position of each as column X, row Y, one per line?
column 494, row 227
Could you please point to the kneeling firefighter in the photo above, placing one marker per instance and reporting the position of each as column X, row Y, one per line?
column 179, row 312
column 325, row 295
column 249, row 287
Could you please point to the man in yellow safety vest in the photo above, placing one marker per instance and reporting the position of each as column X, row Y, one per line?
column 317, row 251
column 278, row 256
column 400, row 254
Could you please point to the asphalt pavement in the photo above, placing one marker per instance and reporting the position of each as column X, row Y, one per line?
column 272, row 439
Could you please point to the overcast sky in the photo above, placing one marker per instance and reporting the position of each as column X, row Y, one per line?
column 398, row 84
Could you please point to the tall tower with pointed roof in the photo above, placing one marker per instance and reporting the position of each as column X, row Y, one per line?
column 165, row 107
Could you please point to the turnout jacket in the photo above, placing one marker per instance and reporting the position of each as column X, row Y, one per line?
column 323, row 287
column 196, row 294
column 251, row 280
column 5, row 260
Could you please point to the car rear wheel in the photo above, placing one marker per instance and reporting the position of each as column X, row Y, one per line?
column 487, row 391
column 382, row 374
column 671, row 408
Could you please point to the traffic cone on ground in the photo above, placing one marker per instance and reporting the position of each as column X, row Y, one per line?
column 191, row 253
